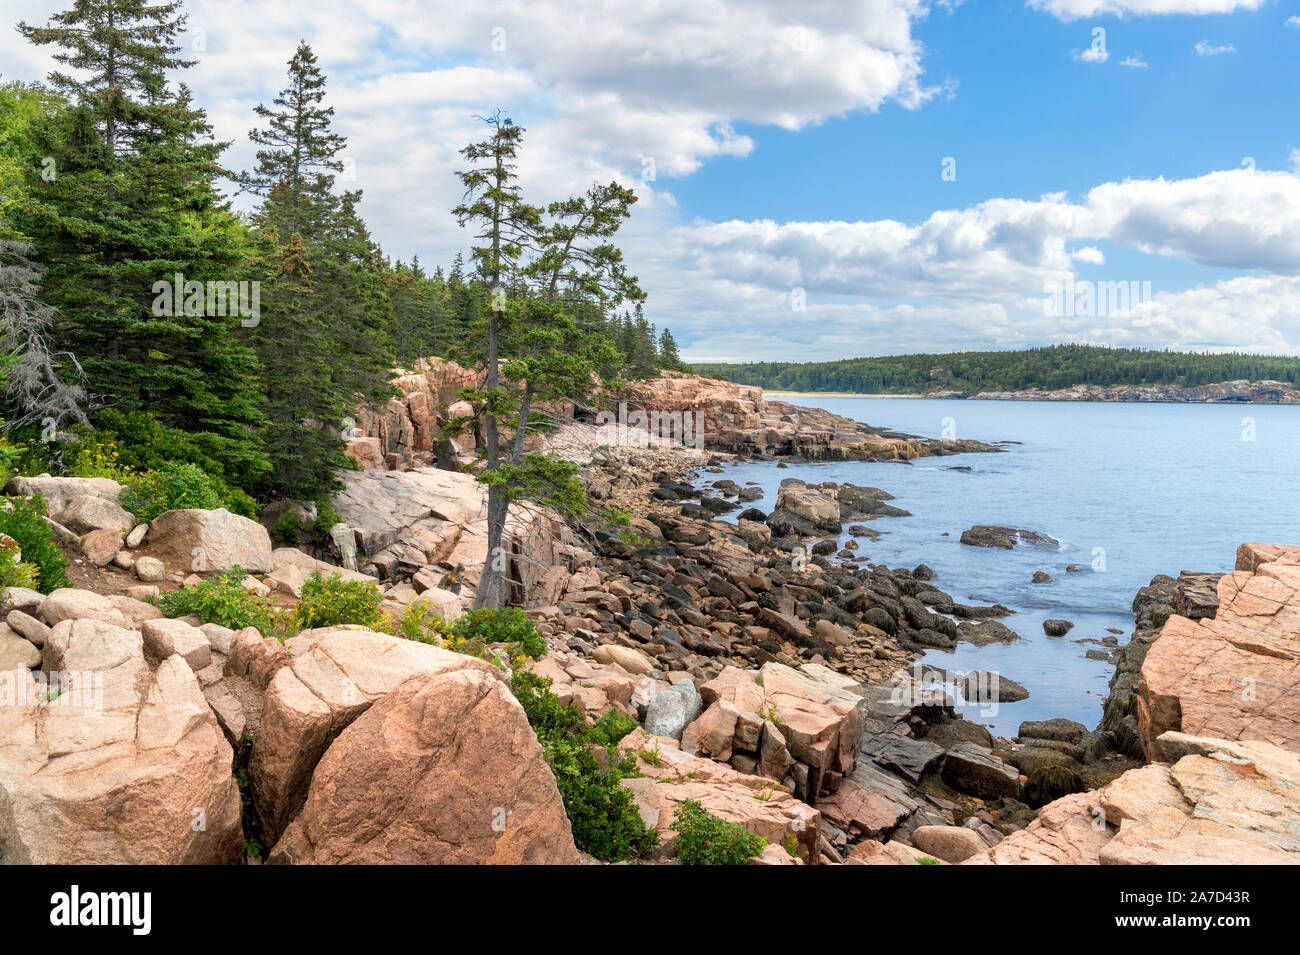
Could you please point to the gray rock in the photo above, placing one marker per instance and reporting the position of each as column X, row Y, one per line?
column 971, row 769
column 17, row 653
column 219, row 637
column 1057, row 628
column 24, row 599
column 90, row 512
column 28, row 626
column 981, row 686
column 150, row 569
column 995, row 535
column 672, row 710
column 1059, row 729
column 136, row 536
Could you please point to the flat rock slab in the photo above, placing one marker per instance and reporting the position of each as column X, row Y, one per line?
column 1235, row 675
column 909, row 758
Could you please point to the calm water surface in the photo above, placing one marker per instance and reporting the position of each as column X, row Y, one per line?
column 1130, row 490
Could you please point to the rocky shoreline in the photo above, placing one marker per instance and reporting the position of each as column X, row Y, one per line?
column 1225, row 392
column 772, row 676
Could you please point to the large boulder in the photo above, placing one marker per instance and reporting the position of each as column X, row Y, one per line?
column 443, row 770
column 194, row 540
column 91, row 512
column 69, row 603
column 328, row 678
column 1218, row 802
column 59, row 492
column 1231, row 676
column 107, row 761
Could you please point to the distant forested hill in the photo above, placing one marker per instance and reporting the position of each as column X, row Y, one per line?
column 1059, row 366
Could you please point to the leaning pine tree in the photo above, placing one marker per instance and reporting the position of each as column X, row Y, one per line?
column 541, row 266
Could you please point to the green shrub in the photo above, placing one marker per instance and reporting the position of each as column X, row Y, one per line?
column 612, row 726
column 501, row 625
column 137, row 443
column 602, row 812
column 24, row 521
column 168, row 488
column 330, row 601
column 14, row 571
column 704, row 839
column 221, row 599
column 419, row 622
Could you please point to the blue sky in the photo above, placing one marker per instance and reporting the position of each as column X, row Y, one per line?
column 788, row 157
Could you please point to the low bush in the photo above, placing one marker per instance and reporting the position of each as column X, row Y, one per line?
column 223, row 600
column 24, row 521
column 137, row 442
column 170, row 487
column 331, row 601
column 500, row 625
column 14, row 571
column 705, row 839
column 421, row 623
column 602, row 812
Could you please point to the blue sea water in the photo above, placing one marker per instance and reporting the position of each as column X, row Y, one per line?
column 1130, row 490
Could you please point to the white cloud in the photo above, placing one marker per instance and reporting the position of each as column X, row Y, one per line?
column 1077, row 9
column 1205, row 48
column 1134, row 61
column 1293, row 21
column 1093, row 54
column 975, row 277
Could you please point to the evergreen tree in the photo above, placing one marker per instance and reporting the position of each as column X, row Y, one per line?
column 299, row 153
column 668, row 356
column 353, row 355
column 302, row 451
column 129, row 201
column 539, row 270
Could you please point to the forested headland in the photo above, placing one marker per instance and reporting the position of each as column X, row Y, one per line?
column 1045, row 369
column 149, row 328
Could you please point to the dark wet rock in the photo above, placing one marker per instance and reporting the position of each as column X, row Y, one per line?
column 1049, row 773
column 1197, row 595
column 995, row 535
column 972, row 769
column 1059, row 729
column 922, row 572
column 981, row 686
column 951, row 732
column 910, row 758
column 1042, row 577
column 982, row 633
column 1057, row 628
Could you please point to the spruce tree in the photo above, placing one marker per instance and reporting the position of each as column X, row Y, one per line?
column 127, row 201
column 352, row 359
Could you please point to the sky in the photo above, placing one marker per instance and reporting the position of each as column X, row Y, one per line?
column 822, row 180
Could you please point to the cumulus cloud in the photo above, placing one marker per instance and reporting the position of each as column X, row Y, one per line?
column 993, row 260
column 1134, row 61
column 1093, row 54
column 1077, row 9
column 1206, row 48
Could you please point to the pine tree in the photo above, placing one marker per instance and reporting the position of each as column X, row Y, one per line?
column 129, row 202
column 539, row 271
column 302, row 451
column 299, row 154
column 354, row 353
column 668, row 355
